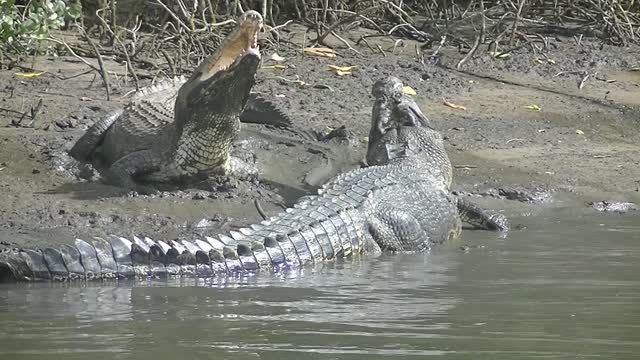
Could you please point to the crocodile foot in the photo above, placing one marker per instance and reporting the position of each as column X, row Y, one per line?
column 481, row 218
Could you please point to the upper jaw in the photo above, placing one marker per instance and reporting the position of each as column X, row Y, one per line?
column 242, row 41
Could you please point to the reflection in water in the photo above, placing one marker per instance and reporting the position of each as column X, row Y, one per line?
column 40, row 319
column 555, row 291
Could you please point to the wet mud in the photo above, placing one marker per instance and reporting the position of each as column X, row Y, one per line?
column 528, row 137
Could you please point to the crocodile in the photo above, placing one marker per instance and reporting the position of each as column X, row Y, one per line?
column 181, row 128
column 393, row 107
column 402, row 203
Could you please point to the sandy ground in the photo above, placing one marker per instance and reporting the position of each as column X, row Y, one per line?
column 582, row 145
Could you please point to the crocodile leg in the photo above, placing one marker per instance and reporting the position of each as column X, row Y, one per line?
column 481, row 218
column 121, row 172
column 88, row 143
column 413, row 219
column 259, row 110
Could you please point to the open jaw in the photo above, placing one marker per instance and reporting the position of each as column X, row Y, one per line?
column 243, row 41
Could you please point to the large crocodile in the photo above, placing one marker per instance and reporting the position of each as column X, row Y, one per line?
column 402, row 204
column 180, row 128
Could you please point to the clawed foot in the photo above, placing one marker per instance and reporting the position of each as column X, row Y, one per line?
column 498, row 221
column 481, row 218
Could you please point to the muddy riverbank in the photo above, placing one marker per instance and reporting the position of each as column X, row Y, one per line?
column 525, row 124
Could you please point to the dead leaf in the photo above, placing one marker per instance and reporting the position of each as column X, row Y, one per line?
column 342, row 73
column 276, row 57
column 295, row 81
column 322, row 52
column 276, row 66
column 30, row 75
column 341, row 68
column 533, row 107
column 453, row 106
column 409, row 90
column 579, row 132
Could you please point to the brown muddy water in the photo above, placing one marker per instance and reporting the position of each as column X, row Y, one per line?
column 564, row 287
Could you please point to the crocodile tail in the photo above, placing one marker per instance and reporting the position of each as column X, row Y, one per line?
column 318, row 231
column 246, row 250
column 481, row 218
column 262, row 111
column 121, row 258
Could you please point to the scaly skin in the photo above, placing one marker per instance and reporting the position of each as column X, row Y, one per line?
column 402, row 204
column 181, row 128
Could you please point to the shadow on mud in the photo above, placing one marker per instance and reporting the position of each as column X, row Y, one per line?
column 254, row 189
column 87, row 191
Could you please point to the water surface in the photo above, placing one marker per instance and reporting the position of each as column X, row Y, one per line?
column 565, row 289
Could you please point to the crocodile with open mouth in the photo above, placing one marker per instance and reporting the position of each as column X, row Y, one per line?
column 182, row 128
